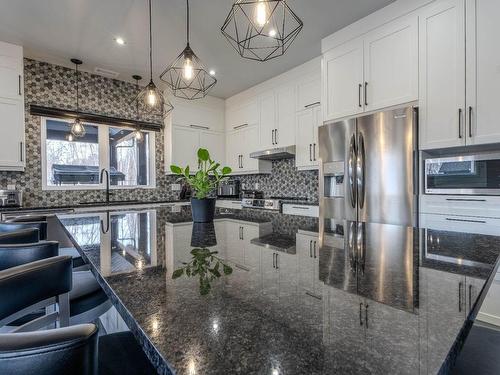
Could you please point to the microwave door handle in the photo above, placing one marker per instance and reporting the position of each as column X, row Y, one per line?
column 351, row 172
column 360, row 171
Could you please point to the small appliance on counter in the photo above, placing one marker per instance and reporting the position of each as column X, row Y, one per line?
column 255, row 199
column 229, row 189
column 11, row 198
column 185, row 192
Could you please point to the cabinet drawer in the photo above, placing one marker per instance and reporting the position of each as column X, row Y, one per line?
column 300, row 210
column 460, row 205
column 465, row 224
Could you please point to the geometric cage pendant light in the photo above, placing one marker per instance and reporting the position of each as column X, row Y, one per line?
column 186, row 76
column 151, row 97
column 261, row 29
column 77, row 128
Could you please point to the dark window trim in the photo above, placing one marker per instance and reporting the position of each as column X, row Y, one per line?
column 94, row 118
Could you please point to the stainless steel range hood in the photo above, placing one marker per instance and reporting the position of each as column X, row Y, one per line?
column 287, row 152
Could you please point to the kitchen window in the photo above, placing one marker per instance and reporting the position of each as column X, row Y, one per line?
column 76, row 163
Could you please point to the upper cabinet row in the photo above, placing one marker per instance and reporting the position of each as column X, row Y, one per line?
column 11, row 107
column 375, row 71
column 442, row 55
column 459, row 73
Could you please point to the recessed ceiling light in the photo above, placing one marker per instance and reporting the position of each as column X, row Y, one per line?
column 211, row 72
column 120, row 41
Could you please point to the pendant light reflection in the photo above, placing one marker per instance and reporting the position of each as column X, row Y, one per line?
column 70, row 137
column 187, row 76
column 77, row 128
column 138, row 134
column 151, row 97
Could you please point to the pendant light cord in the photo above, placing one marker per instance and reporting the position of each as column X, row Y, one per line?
column 150, row 44
column 187, row 18
column 77, row 91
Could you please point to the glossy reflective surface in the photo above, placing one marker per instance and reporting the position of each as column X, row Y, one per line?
column 373, row 299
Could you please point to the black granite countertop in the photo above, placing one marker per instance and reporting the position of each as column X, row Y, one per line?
column 375, row 299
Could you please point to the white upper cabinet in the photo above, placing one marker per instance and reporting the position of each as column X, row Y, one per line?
column 239, row 144
column 372, row 72
column 342, row 81
column 206, row 113
column 309, row 92
column 483, row 71
column 306, row 152
column 285, row 129
column 243, row 114
column 184, row 148
column 214, row 142
column 11, row 108
column 268, row 118
column 442, row 74
column 391, row 64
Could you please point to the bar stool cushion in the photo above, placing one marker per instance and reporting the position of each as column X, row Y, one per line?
column 72, row 252
column 28, row 235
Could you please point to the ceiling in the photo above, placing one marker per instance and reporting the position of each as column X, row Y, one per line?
column 57, row 30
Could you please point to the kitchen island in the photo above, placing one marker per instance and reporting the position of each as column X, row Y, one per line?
column 371, row 298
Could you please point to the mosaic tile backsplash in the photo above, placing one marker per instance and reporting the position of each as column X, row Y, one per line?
column 51, row 85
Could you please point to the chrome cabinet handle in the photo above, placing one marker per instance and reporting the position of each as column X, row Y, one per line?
column 466, row 220
column 21, row 155
column 272, row 136
column 274, row 263
column 310, row 152
column 360, row 171
column 460, row 296
column 465, row 200
column 361, row 313
column 470, row 121
column 275, row 136
column 277, row 263
column 199, row 127
column 460, row 123
column 351, row 171
column 312, row 104
column 240, row 126
column 360, row 86
column 19, row 86
column 314, row 249
column 470, row 297
column 314, row 151
column 366, row 315
column 366, row 95
column 313, row 295
column 310, row 249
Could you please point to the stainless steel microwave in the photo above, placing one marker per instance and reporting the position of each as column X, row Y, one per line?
column 463, row 175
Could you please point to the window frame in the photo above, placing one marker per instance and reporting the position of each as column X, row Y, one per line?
column 103, row 146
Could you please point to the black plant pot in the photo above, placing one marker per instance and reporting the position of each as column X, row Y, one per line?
column 203, row 210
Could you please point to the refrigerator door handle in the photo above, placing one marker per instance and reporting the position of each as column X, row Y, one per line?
column 351, row 172
column 360, row 171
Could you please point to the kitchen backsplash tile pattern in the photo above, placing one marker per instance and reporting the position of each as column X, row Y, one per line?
column 51, row 85
column 284, row 181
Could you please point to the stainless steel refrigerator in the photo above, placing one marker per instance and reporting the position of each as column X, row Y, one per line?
column 368, row 169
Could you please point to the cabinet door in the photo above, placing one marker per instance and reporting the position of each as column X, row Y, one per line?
column 342, row 80
column 234, row 242
column 308, row 93
column 268, row 123
column 215, row 144
column 12, row 124
column 285, row 129
column 249, row 142
column 305, row 138
column 243, row 114
column 270, row 275
column 391, row 64
column 442, row 75
column 306, row 262
column 483, row 71
column 11, row 69
column 233, row 150
column 185, row 144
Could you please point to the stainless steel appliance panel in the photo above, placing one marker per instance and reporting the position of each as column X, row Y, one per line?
column 386, row 152
column 337, row 153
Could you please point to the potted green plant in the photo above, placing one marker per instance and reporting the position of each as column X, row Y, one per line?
column 202, row 182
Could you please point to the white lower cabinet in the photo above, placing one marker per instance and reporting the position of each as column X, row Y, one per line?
column 223, row 203
column 308, row 253
column 306, row 134
column 300, row 210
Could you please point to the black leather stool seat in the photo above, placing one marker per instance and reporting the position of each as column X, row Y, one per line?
column 70, row 350
column 86, row 293
column 28, row 235
column 14, row 226
column 72, row 252
column 120, row 354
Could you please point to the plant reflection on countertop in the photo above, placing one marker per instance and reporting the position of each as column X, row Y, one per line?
column 206, row 265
